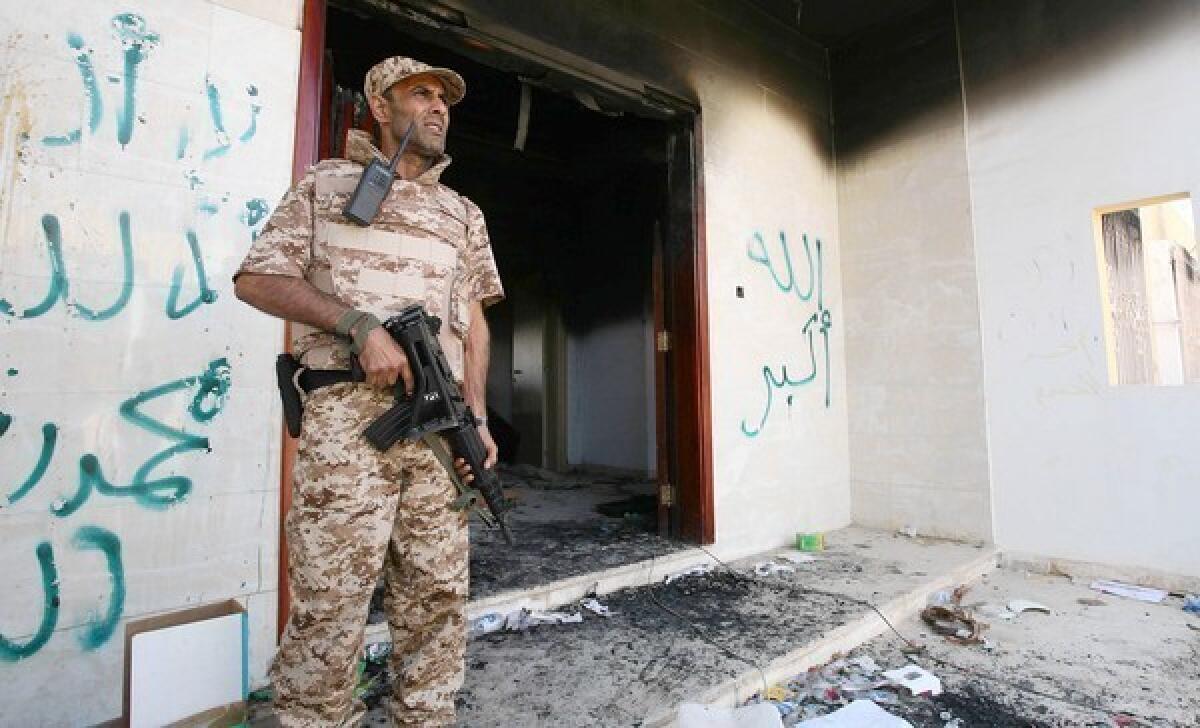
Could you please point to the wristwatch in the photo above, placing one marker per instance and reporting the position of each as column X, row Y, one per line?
column 480, row 421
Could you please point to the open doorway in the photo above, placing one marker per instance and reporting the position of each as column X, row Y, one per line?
column 591, row 214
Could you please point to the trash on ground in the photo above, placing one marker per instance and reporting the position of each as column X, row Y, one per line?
column 866, row 663
column 810, row 541
column 1090, row 602
column 1016, row 606
column 1132, row 591
column 700, row 570
column 1191, row 603
column 858, row 714
column 596, row 607
column 954, row 622
column 909, row 531
column 798, row 558
column 917, row 679
column 988, row 645
column 518, row 620
column 996, row 611
column 941, row 598
column 754, row 715
column 771, row 568
column 523, row 619
column 485, row 624
column 775, row 694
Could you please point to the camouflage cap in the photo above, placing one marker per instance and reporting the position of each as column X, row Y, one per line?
column 397, row 68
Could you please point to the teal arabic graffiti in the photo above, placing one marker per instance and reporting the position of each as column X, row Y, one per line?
column 818, row 323
column 212, row 388
column 99, row 629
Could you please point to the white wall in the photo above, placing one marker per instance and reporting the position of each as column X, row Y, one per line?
column 61, row 370
column 1073, row 105
column 779, row 452
column 918, row 450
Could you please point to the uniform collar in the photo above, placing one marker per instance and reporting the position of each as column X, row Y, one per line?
column 361, row 149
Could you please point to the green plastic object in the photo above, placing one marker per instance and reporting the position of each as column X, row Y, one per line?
column 810, row 541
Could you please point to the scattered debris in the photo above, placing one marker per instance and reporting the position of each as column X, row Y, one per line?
column 908, row 531
column 522, row 619
column 866, row 663
column 798, row 558
column 810, row 541
column 858, row 714
column 1191, row 603
column 754, row 715
column 700, row 570
column 988, row 645
column 1091, row 602
column 485, row 624
column 518, row 620
column 771, row 568
column 996, row 611
column 1121, row 589
column 775, row 693
column 917, row 679
column 596, row 607
column 946, row 615
column 262, row 695
column 1017, row 606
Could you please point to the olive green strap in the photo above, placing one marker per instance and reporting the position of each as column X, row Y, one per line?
column 365, row 325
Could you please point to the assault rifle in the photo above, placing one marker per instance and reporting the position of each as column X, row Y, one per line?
column 436, row 410
column 437, row 407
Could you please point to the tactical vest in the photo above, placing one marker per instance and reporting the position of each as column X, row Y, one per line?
column 412, row 254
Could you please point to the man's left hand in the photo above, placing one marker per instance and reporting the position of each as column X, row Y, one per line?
column 493, row 452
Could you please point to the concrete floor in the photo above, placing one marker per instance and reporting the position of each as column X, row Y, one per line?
column 1094, row 657
column 669, row 643
column 560, row 533
column 705, row 638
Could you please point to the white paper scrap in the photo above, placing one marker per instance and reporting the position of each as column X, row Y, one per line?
column 771, row 568
column 1121, row 589
column 917, row 679
column 1016, row 606
column 596, row 607
column 798, row 558
column 858, row 714
column 694, row 571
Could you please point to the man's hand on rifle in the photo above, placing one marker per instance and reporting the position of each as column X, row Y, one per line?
column 493, row 452
column 384, row 361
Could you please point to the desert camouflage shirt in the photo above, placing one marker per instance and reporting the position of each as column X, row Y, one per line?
column 428, row 245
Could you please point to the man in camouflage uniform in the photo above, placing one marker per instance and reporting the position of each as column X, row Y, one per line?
column 356, row 511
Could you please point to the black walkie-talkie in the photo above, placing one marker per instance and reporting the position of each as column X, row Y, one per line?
column 374, row 185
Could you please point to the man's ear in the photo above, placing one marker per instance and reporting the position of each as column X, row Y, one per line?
column 380, row 109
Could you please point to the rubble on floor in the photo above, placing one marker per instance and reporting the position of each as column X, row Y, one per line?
column 1061, row 663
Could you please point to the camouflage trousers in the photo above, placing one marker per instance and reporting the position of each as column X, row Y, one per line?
column 356, row 512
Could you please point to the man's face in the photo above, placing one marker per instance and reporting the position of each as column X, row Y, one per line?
column 422, row 98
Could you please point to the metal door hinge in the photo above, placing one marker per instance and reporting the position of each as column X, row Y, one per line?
column 662, row 341
column 666, row 494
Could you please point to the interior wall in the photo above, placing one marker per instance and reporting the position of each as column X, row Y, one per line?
column 914, row 363
column 1074, row 105
column 141, row 148
column 608, row 422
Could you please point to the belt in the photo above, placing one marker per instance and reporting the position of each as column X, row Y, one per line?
column 310, row 379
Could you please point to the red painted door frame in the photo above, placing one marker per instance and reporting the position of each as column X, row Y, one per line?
column 305, row 153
